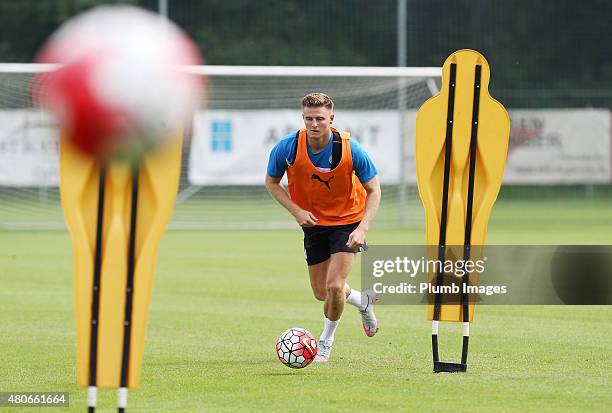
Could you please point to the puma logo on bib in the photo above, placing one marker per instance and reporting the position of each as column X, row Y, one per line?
column 323, row 181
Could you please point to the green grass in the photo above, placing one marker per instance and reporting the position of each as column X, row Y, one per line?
column 221, row 298
column 556, row 212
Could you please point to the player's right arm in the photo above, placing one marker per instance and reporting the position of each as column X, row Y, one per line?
column 302, row 217
column 277, row 165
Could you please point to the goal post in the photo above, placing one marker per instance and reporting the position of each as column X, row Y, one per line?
column 244, row 112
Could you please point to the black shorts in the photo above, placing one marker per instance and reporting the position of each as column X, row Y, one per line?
column 322, row 241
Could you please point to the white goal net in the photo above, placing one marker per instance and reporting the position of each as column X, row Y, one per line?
column 245, row 111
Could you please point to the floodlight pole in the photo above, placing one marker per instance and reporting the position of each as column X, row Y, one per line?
column 162, row 7
column 401, row 107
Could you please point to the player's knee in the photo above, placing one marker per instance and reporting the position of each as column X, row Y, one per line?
column 320, row 295
column 335, row 288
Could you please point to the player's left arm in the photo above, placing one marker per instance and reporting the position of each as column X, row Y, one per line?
column 357, row 237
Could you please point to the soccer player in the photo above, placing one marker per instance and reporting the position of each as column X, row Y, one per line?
column 333, row 195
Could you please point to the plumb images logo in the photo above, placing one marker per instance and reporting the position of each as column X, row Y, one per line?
column 506, row 274
column 453, row 271
column 404, row 275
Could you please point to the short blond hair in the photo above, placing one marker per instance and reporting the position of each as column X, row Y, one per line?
column 317, row 100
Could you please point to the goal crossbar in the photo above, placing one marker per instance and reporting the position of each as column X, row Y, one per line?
column 278, row 71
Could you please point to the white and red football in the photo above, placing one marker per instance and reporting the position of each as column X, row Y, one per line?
column 121, row 86
column 296, row 348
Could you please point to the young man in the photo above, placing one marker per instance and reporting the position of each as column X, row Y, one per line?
column 333, row 195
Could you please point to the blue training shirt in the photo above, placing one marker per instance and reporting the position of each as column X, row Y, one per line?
column 281, row 156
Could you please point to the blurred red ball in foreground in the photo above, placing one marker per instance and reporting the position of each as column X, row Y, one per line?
column 296, row 348
column 120, row 88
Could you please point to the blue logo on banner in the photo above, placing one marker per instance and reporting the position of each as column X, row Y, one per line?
column 221, row 136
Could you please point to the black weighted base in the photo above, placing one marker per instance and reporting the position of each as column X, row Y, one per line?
column 444, row 367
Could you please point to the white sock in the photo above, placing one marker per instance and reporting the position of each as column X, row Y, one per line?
column 327, row 336
column 354, row 298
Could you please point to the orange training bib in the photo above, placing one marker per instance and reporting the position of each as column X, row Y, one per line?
column 336, row 197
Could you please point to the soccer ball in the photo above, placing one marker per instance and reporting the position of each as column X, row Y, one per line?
column 120, row 88
column 296, row 348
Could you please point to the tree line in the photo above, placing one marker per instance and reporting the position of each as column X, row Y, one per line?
column 542, row 53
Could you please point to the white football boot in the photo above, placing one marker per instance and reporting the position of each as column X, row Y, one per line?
column 368, row 318
column 323, row 351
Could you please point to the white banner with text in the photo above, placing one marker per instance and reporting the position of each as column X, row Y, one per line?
column 547, row 147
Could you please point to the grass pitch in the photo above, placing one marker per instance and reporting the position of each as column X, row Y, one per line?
column 221, row 298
